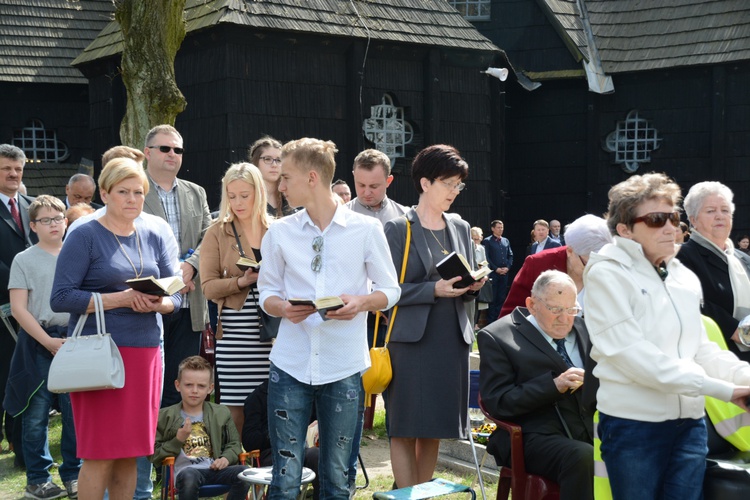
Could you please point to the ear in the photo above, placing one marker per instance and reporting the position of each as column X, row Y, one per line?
column 425, row 183
column 177, row 385
column 529, row 303
column 388, row 180
column 691, row 220
column 568, row 251
column 623, row 230
column 104, row 195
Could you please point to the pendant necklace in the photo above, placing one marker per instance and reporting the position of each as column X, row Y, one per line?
column 443, row 251
column 140, row 255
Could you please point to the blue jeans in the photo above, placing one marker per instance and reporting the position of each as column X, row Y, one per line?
column 290, row 405
column 655, row 460
column 189, row 481
column 35, row 432
column 357, row 438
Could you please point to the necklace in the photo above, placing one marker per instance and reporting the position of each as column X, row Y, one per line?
column 140, row 255
column 444, row 251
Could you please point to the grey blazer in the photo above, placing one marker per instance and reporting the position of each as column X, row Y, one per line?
column 195, row 218
column 12, row 242
column 418, row 294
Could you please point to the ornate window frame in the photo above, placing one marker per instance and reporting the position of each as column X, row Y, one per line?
column 388, row 129
column 39, row 144
column 632, row 142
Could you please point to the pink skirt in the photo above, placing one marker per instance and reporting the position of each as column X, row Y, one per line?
column 121, row 423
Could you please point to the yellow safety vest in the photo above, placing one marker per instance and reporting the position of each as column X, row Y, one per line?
column 730, row 421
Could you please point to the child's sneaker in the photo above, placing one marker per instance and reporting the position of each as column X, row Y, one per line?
column 44, row 491
column 72, row 488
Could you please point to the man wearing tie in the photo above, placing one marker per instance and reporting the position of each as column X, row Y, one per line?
column 531, row 367
column 16, row 236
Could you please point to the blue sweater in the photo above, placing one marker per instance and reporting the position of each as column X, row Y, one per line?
column 91, row 260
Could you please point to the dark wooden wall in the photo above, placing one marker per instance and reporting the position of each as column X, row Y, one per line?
column 62, row 108
column 557, row 167
column 240, row 86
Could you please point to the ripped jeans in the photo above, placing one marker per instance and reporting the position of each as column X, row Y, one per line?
column 290, row 404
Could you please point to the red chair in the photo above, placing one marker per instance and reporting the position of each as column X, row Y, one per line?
column 525, row 486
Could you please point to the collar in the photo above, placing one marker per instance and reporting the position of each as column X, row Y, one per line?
column 569, row 339
column 159, row 188
column 371, row 209
column 339, row 218
column 710, row 245
column 5, row 198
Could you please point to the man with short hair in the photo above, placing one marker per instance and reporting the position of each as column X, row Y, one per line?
column 322, row 250
column 341, row 188
column 372, row 176
column 500, row 260
column 531, row 365
column 542, row 241
column 15, row 237
column 80, row 189
column 555, row 231
column 184, row 206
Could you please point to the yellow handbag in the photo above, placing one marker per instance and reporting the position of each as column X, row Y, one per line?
column 376, row 379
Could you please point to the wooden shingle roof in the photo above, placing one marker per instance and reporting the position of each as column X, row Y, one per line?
column 565, row 17
column 637, row 35
column 426, row 22
column 40, row 38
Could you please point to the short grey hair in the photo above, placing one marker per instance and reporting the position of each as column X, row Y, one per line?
column 81, row 177
column 697, row 195
column 587, row 234
column 12, row 152
column 550, row 278
column 161, row 129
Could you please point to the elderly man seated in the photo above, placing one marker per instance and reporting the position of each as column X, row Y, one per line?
column 531, row 367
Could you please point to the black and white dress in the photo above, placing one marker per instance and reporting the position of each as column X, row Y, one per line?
column 241, row 358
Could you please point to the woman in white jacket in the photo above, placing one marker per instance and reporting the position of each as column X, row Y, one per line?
column 655, row 363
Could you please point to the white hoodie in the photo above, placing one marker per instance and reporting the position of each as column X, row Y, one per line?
column 655, row 362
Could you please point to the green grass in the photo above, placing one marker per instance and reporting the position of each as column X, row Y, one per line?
column 13, row 480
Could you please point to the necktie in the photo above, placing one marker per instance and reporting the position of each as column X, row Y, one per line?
column 563, row 352
column 14, row 213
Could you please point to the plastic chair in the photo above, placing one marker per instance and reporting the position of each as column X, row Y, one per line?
column 525, row 486
column 169, row 491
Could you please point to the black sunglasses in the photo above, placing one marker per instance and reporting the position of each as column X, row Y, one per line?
column 659, row 219
column 167, row 149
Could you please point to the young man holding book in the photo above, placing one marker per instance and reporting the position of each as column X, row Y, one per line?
column 323, row 250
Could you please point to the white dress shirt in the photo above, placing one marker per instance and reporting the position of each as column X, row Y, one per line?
column 355, row 261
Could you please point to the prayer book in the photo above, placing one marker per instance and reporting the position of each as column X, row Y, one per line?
column 245, row 263
column 163, row 287
column 322, row 305
column 455, row 265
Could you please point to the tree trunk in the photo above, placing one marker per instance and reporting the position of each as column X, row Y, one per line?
column 152, row 33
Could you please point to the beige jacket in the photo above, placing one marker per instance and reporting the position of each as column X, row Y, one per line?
column 219, row 271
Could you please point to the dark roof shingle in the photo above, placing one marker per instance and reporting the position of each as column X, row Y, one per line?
column 426, row 22
column 40, row 38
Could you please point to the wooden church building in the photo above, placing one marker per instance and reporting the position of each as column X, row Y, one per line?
column 396, row 74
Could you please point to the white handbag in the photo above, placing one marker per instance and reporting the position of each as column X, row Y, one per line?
column 87, row 362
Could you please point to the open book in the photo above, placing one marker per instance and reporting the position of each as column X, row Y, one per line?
column 152, row 286
column 245, row 263
column 323, row 304
column 455, row 265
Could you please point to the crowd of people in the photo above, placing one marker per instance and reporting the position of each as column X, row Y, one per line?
column 610, row 304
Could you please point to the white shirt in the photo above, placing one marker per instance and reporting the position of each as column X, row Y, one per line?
column 356, row 260
column 571, row 342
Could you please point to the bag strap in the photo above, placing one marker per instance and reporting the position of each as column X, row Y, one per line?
column 400, row 280
column 237, row 238
column 101, row 328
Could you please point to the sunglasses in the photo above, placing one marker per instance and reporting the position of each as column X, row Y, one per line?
column 167, row 149
column 317, row 262
column 659, row 219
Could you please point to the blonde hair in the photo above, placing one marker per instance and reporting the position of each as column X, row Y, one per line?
column 312, row 154
column 250, row 174
column 119, row 169
column 123, row 152
column 371, row 158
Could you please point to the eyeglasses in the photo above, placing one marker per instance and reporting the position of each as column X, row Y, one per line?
column 659, row 219
column 268, row 160
column 46, row 221
column 458, row 187
column 167, row 149
column 557, row 310
column 317, row 261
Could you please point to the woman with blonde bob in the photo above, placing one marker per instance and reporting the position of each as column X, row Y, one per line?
column 655, row 362
column 241, row 358
column 113, row 427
